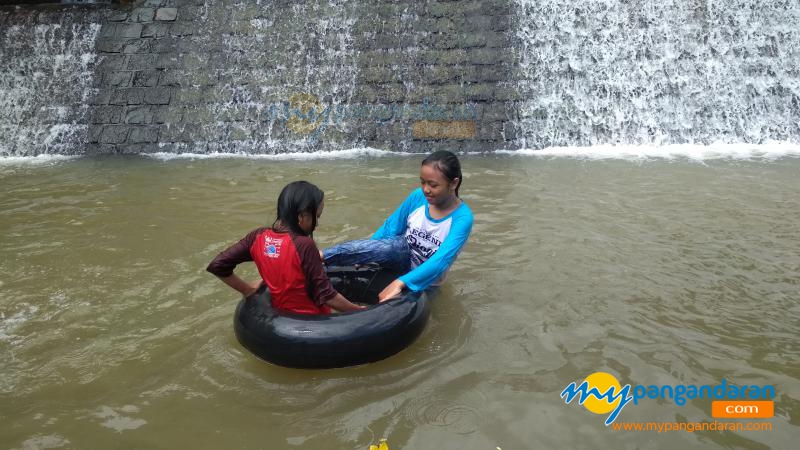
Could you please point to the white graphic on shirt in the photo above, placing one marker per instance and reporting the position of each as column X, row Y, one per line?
column 424, row 236
column 272, row 246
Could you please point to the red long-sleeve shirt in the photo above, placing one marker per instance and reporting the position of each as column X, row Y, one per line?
column 288, row 263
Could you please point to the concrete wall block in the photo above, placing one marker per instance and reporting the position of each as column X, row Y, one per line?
column 106, row 115
column 444, row 57
column 391, row 93
column 157, row 96
column 136, row 96
column 146, row 78
column 468, row 74
column 392, row 40
column 512, row 131
column 163, row 45
column 489, row 131
column 499, row 39
column 439, row 74
column 196, row 61
column 167, row 61
column 114, row 134
column 493, row 73
column 239, row 131
column 141, row 62
column 447, row 93
column 118, row 97
column 484, row 56
column 100, row 97
column 474, row 24
column 138, row 46
column 470, row 40
column 171, row 114
column 194, row 13
column 171, row 77
column 480, row 91
column 160, row 114
column 95, row 149
column 117, row 16
column 108, row 31
column 128, row 31
column 191, row 96
column 420, row 93
column 505, row 93
column 378, row 74
column 109, row 46
column 496, row 112
column 436, row 25
column 156, row 30
column 442, row 9
column 182, row 28
column 142, row 15
column 502, row 22
column 112, row 62
column 166, row 14
column 117, row 79
column 143, row 134
column 138, row 115
column 442, row 40
column 95, row 131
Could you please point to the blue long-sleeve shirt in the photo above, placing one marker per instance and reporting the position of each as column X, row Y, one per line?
column 434, row 244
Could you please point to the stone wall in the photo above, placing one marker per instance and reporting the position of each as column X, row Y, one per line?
column 213, row 75
column 233, row 75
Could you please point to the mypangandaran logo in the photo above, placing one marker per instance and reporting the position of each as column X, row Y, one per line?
column 602, row 393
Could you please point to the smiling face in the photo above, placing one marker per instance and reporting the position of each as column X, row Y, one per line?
column 305, row 221
column 438, row 190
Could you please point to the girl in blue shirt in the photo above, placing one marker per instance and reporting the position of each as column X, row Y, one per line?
column 423, row 236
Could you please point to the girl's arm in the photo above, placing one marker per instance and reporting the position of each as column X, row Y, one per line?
column 245, row 288
column 395, row 225
column 342, row 304
column 431, row 270
column 224, row 263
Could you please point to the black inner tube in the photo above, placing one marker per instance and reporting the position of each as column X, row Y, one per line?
column 337, row 340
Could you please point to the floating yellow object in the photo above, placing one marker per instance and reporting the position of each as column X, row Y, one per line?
column 382, row 446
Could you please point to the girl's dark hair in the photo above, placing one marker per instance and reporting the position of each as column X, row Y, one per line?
column 447, row 163
column 296, row 198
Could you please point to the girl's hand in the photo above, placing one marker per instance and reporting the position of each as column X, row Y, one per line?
column 391, row 291
column 254, row 287
column 245, row 288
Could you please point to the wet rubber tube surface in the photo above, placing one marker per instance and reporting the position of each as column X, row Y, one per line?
column 338, row 340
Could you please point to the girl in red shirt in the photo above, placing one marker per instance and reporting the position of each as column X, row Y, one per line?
column 286, row 257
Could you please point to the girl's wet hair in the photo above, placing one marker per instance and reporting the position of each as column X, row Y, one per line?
column 298, row 197
column 447, row 163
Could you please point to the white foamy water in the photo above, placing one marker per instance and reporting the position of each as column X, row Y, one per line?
column 334, row 154
column 42, row 159
column 692, row 152
column 658, row 72
column 46, row 76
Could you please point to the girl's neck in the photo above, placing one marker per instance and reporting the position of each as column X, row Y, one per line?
column 438, row 212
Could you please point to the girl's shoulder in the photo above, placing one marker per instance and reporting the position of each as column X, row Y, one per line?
column 301, row 241
column 463, row 212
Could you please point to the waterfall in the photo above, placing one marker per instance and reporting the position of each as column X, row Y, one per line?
column 658, row 72
column 46, row 83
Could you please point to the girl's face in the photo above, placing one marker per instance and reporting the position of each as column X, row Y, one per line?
column 437, row 188
column 305, row 221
